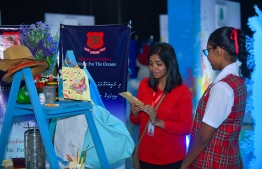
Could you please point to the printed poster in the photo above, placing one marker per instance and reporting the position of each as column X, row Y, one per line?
column 9, row 36
column 75, row 84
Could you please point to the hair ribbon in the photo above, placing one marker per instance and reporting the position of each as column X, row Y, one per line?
column 233, row 36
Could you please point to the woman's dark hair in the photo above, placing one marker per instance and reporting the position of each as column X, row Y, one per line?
column 167, row 55
column 226, row 38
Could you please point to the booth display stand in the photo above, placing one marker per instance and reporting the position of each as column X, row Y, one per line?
column 42, row 116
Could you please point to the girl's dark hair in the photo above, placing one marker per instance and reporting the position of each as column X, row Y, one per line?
column 167, row 55
column 222, row 37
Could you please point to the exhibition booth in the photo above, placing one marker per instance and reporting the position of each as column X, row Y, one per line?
column 108, row 58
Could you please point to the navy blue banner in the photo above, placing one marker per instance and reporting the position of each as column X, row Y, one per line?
column 105, row 49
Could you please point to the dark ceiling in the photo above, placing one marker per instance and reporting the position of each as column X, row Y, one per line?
column 143, row 13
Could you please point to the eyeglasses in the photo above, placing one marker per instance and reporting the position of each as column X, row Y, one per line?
column 205, row 51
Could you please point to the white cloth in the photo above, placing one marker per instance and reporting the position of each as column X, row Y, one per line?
column 116, row 139
column 221, row 98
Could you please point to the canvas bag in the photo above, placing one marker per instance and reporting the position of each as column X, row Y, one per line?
column 136, row 164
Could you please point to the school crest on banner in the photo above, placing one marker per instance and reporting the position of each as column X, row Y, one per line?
column 95, row 41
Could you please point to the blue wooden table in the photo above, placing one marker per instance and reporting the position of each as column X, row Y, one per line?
column 43, row 114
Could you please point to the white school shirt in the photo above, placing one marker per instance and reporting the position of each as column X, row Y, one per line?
column 221, row 98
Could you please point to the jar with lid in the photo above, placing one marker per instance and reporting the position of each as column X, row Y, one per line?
column 55, row 84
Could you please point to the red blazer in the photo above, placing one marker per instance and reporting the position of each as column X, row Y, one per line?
column 167, row 145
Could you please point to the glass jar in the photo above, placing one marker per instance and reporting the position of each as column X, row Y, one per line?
column 55, row 84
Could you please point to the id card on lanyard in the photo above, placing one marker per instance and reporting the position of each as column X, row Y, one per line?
column 151, row 127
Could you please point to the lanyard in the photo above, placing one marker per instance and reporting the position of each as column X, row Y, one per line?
column 157, row 99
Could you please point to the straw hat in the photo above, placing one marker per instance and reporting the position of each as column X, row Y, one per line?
column 18, row 57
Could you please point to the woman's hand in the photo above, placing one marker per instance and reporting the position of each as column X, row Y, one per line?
column 150, row 110
column 135, row 108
